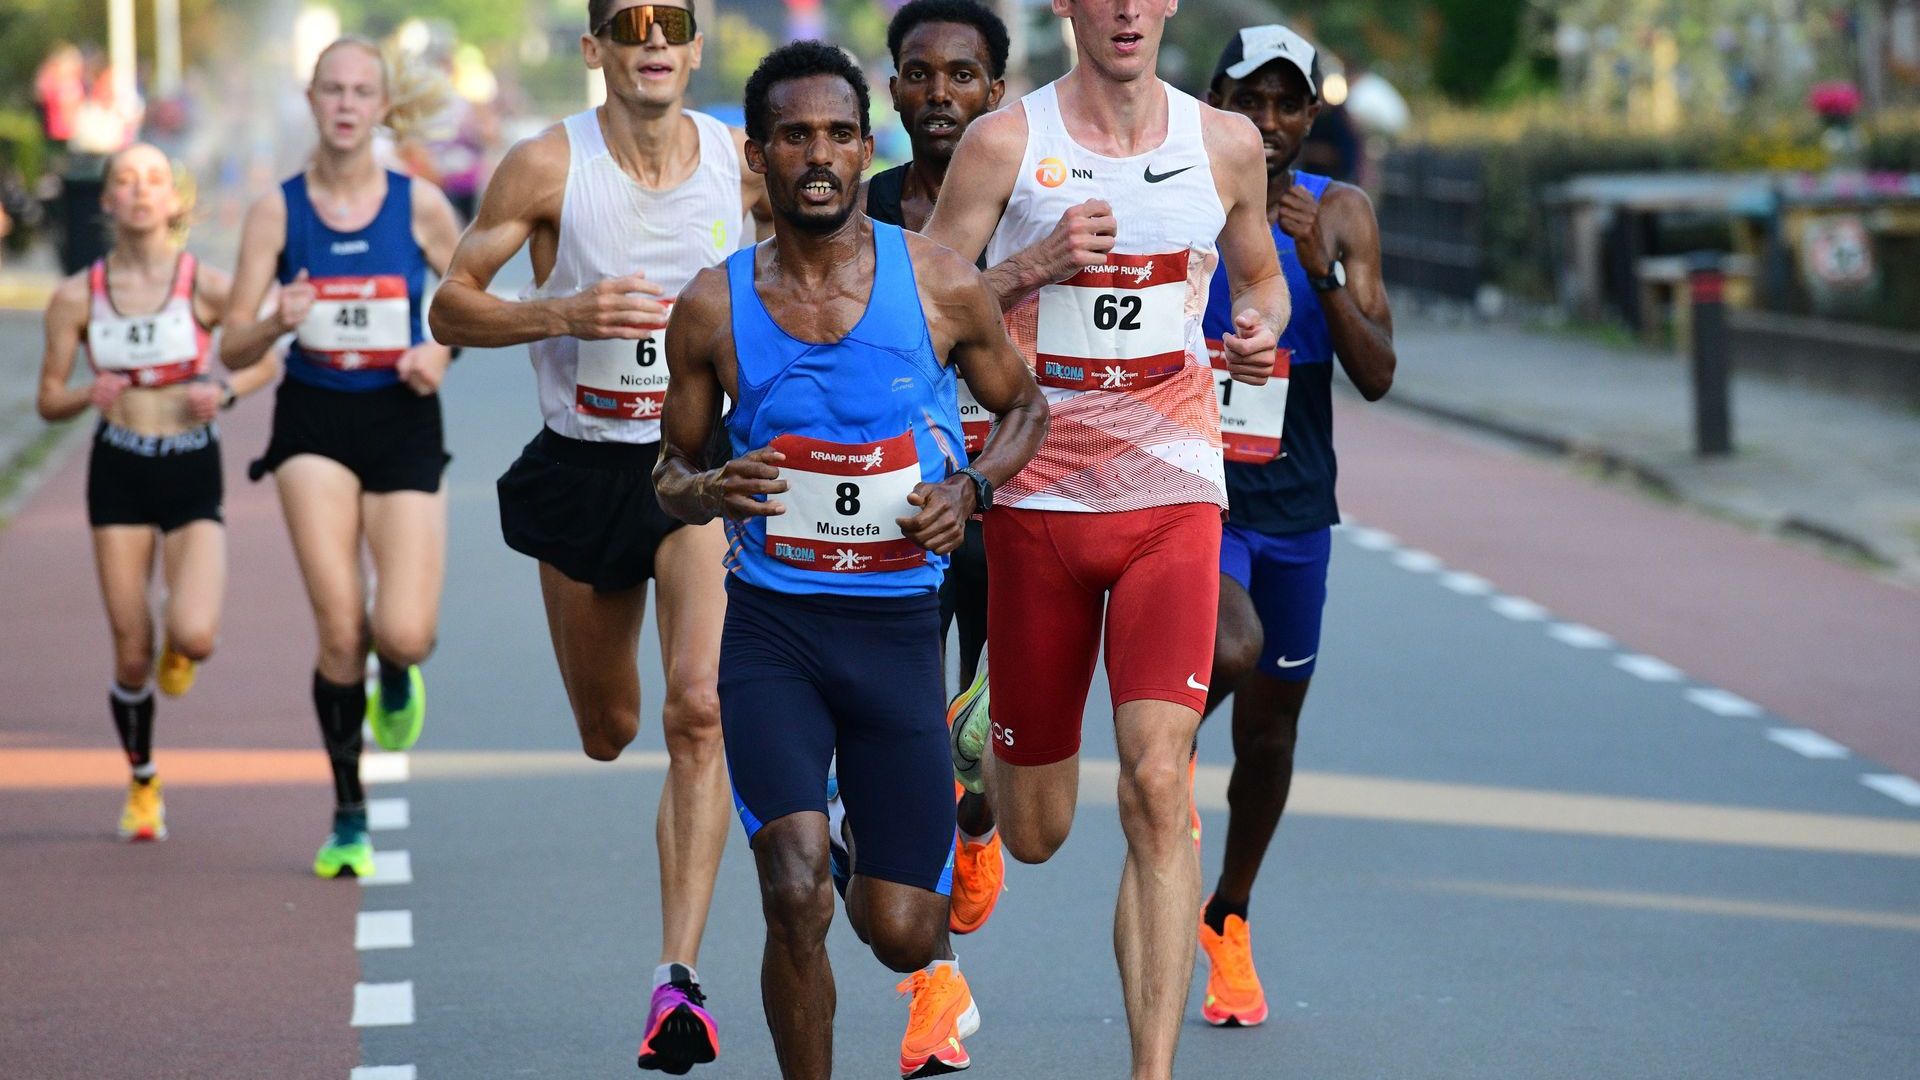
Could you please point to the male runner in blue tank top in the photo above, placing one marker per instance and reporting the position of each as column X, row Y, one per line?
column 837, row 341
column 1273, row 553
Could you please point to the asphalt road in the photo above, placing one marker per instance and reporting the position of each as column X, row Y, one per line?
column 1519, row 849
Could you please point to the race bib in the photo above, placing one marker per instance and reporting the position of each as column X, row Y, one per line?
column 842, row 500
column 975, row 420
column 1251, row 417
column 153, row 350
column 622, row 378
column 1118, row 326
column 358, row 322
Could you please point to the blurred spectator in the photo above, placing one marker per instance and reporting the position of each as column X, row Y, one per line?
column 58, row 88
column 103, row 124
column 452, row 147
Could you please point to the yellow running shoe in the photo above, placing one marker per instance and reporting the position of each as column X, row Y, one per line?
column 398, row 728
column 174, row 673
column 941, row 1014
column 145, row 815
column 348, row 849
column 1234, row 997
column 979, row 874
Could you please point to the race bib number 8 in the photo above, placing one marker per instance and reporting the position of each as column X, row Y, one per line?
column 358, row 322
column 842, row 503
column 1118, row 326
column 1251, row 417
column 153, row 350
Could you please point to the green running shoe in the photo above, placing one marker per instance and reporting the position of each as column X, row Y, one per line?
column 348, row 848
column 968, row 725
column 398, row 729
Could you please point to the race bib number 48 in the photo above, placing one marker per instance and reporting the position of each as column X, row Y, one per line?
column 1251, row 417
column 1118, row 326
column 842, row 503
column 153, row 350
column 622, row 378
column 358, row 322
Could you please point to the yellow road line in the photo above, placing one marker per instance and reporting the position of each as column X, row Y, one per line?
column 1685, row 904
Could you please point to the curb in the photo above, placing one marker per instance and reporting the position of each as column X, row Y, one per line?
column 1612, row 462
column 27, row 296
column 34, row 464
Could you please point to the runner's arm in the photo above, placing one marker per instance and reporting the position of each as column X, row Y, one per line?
column 248, row 335
column 686, row 488
column 66, row 318
column 526, row 192
column 212, row 290
column 1358, row 317
column 966, row 214
column 1261, row 305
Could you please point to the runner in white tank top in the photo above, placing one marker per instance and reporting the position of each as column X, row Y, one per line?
column 1103, row 202
column 619, row 207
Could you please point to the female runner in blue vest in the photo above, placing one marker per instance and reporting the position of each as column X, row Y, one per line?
column 356, row 447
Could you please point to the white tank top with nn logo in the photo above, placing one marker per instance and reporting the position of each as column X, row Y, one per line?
column 1118, row 348
column 610, row 226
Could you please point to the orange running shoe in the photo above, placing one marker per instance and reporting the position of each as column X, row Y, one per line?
column 1193, row 802
column 979, row 875
column 941, row 1014
column 1234, row 997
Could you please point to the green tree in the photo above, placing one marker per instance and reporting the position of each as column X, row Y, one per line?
column 1477, row 40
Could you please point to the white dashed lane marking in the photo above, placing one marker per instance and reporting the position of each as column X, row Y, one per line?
column 384, row 1072
column 383, row 768
column 1465, row 584
column 390, row 868
column 382, row 1004
column 1807, row 743
column 385, row 815
column 1420, row 562
column 1650, row 668
column 1722, row 702
column 1578, row 636
column 1903, row 789
column 1371, row 539
column 384, row 930
column 1517, row 608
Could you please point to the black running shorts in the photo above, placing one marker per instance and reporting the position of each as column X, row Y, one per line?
column 164, row 481
column 587, row 509
column 391, row 438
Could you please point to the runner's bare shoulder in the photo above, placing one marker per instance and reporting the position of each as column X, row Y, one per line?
column 703, row 313
column 534, row 171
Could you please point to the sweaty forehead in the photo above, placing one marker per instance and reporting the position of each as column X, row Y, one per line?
column 943, row 43
column 813, row 101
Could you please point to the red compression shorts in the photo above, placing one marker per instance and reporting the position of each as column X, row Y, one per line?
column 1157, row 574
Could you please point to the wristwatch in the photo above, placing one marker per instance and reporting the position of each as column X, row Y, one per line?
column 982, row 488
column 1336, row 278
column 227, row 396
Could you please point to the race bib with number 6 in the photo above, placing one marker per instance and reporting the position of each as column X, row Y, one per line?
column 358, row 322
column 153, row 350
column 1251, row 417
column 620, row 378
column 842, row 503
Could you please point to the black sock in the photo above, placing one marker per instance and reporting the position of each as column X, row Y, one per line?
column 1218, row 910
column 341, row 710
column 133, row 718
column 395, row 684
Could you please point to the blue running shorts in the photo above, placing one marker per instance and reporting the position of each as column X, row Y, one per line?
column 1286, row 575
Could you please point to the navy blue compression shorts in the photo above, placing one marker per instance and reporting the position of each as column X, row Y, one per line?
column 1286, row 575
column 802, row 677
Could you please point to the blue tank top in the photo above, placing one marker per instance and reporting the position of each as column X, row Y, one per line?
column 360, row 278
column 1294, row 492
column 861, row 421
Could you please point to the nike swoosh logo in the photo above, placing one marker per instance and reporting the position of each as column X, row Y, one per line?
column 1286, row 663
column 1200, row 686
column 1154, row 178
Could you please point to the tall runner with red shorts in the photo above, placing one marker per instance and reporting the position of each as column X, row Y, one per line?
column 1104, row 202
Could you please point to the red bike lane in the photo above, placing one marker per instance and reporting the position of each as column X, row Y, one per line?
column 215, row 953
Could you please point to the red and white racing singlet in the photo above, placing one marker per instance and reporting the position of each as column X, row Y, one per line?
column 843, row 501
column 620, row 378
column 1251, row 417
column 1118, row 326
column 357, row 322
column 158, row 349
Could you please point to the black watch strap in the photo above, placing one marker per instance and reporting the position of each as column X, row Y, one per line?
column 982, row 488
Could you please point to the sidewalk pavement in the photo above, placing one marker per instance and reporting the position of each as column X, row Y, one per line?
column 1838, row 470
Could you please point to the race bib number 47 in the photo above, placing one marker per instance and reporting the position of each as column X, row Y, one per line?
column 1118, row 326
column 1251, row 417
column 358, row 322
column 842, row 503
column 153, row 350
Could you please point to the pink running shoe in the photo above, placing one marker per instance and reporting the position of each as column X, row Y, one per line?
column 680, row 1034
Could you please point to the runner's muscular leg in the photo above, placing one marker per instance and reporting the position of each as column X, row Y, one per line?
column 320, row 499
column 1237, row 639
column 796, row 978
column 696, row 811
column 1266, row 725
column 123, row 554
column 196, row 569
column 906, row 927
column 1159, row 902
column 407, row 536
column 596, row 641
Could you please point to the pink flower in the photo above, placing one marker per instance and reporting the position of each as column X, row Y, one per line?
column 1836, row 100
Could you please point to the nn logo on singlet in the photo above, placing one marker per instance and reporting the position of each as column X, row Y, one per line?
column 350, row 247
column 1053, row 172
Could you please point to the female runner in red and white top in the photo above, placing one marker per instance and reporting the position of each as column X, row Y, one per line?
column 145, row 314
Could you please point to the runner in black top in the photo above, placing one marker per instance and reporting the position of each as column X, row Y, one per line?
column 949, row 57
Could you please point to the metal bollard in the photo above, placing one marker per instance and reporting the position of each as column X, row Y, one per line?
column 1712, row 409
